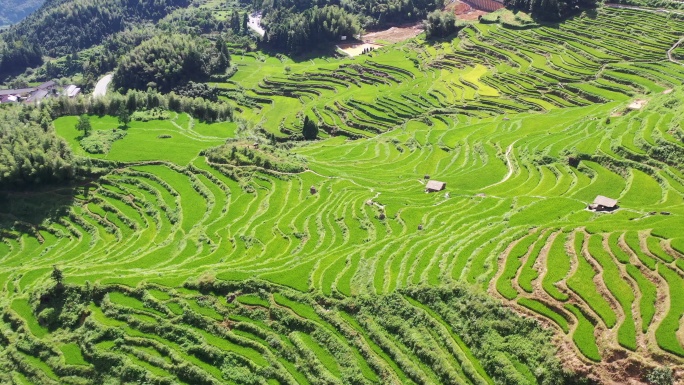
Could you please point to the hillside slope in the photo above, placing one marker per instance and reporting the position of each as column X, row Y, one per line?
column 13, row 11
column 269, row 274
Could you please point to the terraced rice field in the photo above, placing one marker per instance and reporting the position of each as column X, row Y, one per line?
column 526, row 127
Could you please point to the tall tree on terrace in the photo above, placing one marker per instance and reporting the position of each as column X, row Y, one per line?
column 310, row 129
column 124, row 116
column 235, row 22
column 83, row 124
column 223, row 54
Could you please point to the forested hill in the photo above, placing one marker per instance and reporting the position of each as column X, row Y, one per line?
column 62, row 27
column 550, row 10
column 13, row 11
column 78, row 24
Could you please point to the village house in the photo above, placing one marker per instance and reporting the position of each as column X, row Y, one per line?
column 602, row 203
column 36, row 94
column 434, row 186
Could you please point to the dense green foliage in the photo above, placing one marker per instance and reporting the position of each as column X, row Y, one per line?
column 453, row 335
column 169, row 61
column 299, row 26
column 100, row 141
column 200, row 108
column 525, row 125
column 551, row 9
column 298, row 32
column 373, row 13
column 12, row 11
column 73, row 25
column 30, row 152
column 17, row 55
column 64, row 27
column 263, row 156
column 441, row 24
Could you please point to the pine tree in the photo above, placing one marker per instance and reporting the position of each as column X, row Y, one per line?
column 223, row 54
column 124, row 116
column 310, row 129
column 57, row 275
column 235, row 22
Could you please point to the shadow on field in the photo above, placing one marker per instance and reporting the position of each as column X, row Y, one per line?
column 321, row 52
column 22, row 209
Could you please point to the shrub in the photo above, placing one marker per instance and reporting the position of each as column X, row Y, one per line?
column 100, row 142
column 661, row 376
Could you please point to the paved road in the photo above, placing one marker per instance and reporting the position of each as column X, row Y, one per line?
column 255, row 23
column 101, row 86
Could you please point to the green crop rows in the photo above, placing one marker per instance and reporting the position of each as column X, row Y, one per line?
column 525, row 126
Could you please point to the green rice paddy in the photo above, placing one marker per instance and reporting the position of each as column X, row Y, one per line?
column 525, row 126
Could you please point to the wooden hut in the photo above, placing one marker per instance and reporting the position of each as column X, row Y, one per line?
column 602, row 203
column 434, row 186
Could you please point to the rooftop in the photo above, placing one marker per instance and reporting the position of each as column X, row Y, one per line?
column 605, row 201
column 435, row 185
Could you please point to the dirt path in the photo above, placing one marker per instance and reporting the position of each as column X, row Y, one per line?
column 642, row 346
column 662, row 298
column 674, row 47
column 501, row 264
column 655, row 10
column 541, row 266
column 509, row 164
column 609, row 335
column 652, row 10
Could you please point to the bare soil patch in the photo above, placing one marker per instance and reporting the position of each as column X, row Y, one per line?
column 464, row 11
column 356, row 49
column 393, row 35
column 638, row 104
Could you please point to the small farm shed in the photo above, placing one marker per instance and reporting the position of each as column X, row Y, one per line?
column 602, row 203
column 434, row 186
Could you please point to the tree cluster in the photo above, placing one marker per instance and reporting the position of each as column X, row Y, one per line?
column 239, row 24
column 169, row 61
column 17, row 55
column 297, row 32
column 367, row 50
column 441, row 24
column 263, row 156
column 63, row 27
column 372, row 13
column 198, row 90
column 380, row 13
column 30, row 151
column 550, row 10
column 192, row 21
column 132, row 101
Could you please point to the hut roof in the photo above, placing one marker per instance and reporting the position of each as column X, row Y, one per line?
column 20, row 91
column 605, row 202
column 435, row 185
